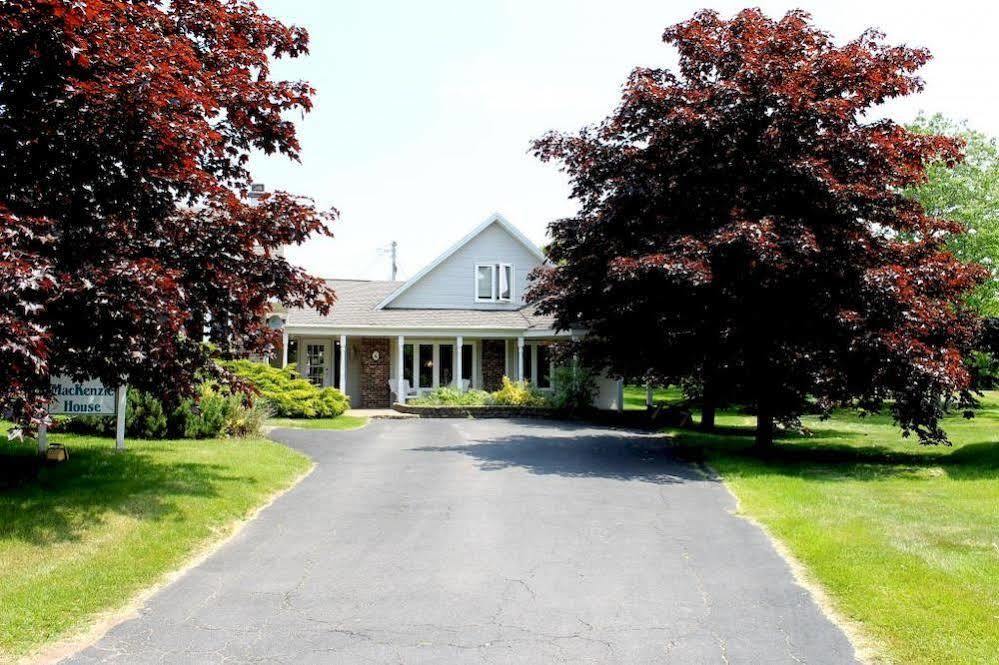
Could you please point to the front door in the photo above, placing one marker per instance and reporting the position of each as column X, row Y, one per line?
column 317, row 361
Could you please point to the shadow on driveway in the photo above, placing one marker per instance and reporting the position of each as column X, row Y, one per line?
column 585, row 454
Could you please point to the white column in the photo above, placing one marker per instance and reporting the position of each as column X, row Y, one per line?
column 400, row 391
column 520, row 358
column 457, row 362
column 343, row 364
column 284, row 349
column 119, row 430
column 648, row 394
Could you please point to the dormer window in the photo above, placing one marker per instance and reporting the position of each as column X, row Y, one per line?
column 493, row 282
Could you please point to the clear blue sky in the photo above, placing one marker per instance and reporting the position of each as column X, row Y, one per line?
column 425, row 110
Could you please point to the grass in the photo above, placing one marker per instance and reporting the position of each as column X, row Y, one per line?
column 87, row 535
column 634, row 396
column 904, row 538
column 339, row 423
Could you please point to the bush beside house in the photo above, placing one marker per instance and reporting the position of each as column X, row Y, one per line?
column 288, row 394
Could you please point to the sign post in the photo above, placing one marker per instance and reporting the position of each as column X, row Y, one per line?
column 119, row 430
column 86, row 398
column 43, row 438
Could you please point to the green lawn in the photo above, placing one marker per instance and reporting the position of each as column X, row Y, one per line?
column 904, row 538
column 340, row 422
column 89, row 534
column 634, row 396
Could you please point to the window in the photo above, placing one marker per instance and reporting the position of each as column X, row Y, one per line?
column 544, row 367
column 426, row 369
column 484, row 282
column 528, row 368
column 537, row 361
column 493, row 282
column 466, row 363
column 432, row 363
column 407, row 364
column 446, row 353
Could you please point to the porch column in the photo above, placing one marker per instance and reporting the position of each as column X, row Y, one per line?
column 457, row 362
column 284, row 349
column 343, row 364
column 520, row 358
column 400, row 391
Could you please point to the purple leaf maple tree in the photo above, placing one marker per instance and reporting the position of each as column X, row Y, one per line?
column 742, row 220
column 127, row 233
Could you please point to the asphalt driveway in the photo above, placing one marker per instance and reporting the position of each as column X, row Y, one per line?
column 467, row 541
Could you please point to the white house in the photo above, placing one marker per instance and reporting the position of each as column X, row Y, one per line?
column 462, row 320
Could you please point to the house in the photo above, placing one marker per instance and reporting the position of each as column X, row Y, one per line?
column 462, row 320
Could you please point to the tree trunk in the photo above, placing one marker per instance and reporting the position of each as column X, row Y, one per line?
column 764, row 424
column 709, row 399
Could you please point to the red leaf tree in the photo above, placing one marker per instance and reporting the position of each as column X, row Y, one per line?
column 125, row 131
column 742, row 221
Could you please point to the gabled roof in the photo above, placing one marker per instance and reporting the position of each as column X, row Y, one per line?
column 495, row 218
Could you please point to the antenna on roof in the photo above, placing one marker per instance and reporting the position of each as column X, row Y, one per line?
column 392, row 250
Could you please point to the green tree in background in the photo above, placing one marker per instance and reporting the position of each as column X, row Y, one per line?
column 968, row 193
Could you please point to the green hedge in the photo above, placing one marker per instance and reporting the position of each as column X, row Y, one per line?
column 288, row 394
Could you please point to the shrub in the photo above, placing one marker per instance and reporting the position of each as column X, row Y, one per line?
column 448, row 396
column 288, row 394
column 145, row 418
column 246, row 417
column 215, row 412
column 573, row 388
column 517, row 393
column 984, row 367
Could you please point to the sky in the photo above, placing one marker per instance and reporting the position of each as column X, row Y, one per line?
column 425, row 110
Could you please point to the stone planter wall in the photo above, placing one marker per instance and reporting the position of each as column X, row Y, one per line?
column 478, row 411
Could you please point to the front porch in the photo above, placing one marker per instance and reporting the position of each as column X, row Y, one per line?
column 376, row 370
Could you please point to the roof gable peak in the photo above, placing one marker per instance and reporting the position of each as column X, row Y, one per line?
column 495, row 218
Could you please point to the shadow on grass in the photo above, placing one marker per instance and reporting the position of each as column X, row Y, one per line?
column 60, row 501
column 818, row 456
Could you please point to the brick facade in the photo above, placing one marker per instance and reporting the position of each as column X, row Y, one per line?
column 493, row 363
column 375, row 374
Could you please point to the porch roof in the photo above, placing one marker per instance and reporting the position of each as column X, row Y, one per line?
column 357, row 302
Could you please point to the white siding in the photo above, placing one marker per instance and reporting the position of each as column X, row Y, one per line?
column 451, row 284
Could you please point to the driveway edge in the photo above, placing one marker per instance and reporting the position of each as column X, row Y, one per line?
column 107, row 620
column 865, row 648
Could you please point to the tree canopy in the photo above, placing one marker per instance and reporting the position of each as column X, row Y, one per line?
column 125, row 132
column 967, row 193
column 742, row 220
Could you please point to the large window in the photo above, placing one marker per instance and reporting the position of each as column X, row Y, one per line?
column 538, row 365
column 544, row 365
column 407, row 364
column 466, row 363
column 493, row 282
column 426, row 368
column 433, row 364
column 446, row 359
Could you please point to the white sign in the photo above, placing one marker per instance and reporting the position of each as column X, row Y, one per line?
column 81, row 398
